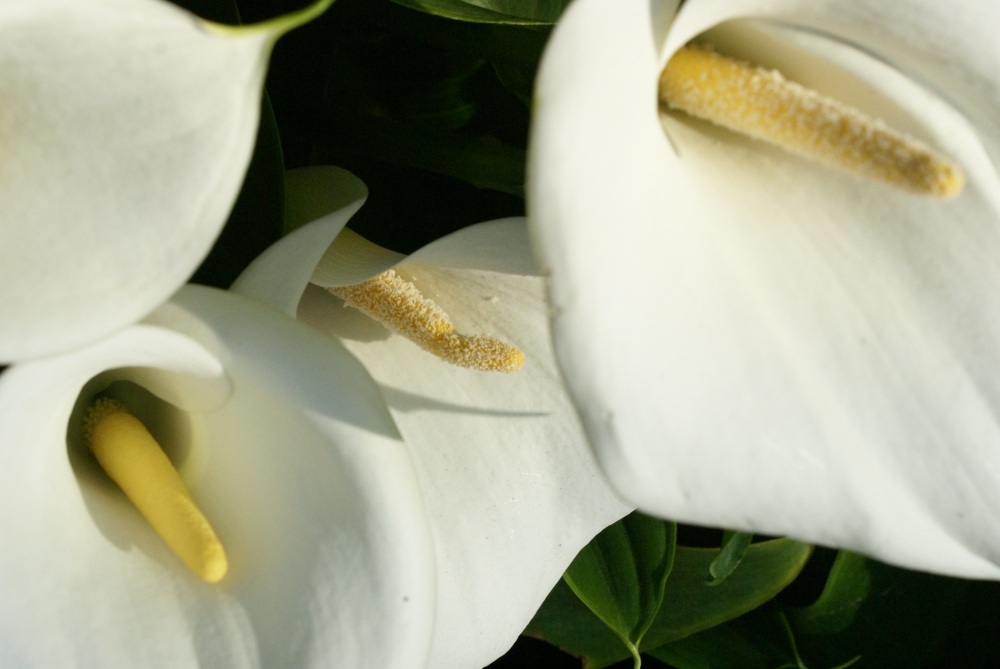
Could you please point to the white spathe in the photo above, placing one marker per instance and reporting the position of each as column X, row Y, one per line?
column 126, row 126
column 759, row 342
column 511, row 488
column 285, row 444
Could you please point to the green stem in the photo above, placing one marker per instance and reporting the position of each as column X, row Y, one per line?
column 277, row 26
column 636, row 658
column 799, row 663
column 791, row 640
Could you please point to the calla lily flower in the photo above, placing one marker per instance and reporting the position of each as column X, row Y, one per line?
column 127, row 127
column 511, row 489
column 284, row 442
column 765, row 343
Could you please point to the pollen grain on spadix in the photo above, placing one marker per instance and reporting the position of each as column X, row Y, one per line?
column 134, row 460
column 764, row 105
column 399, row 305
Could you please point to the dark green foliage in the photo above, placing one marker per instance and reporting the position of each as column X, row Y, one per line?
column 689, row 604
column 511, row 12
column 878, row 615
column 621, row 575
column 412, row 103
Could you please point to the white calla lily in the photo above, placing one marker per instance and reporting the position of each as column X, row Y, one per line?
column 511, row 489
column 286, row 445
column 760, row 342
column 127, row 126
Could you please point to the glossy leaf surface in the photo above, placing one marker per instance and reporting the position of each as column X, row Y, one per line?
column 689, row 605
column 734, row 547
column 621, row 574
column 514, row 12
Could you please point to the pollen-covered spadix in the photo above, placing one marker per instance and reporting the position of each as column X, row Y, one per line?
column 135, row 461
column 511, row 488
column 755, row 340
column 283, row 442
column 765, row 105
column 398, row 304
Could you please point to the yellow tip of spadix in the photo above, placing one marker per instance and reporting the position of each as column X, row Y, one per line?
column 479, row 352
column 399, row 306
column 764, row 105
column 132, row 458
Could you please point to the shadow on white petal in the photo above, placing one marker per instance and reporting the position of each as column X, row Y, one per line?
column 328, row 313
column 400, row 400
column 511, row 488
column 315, row 502
column 820, row 347
column 501, row 246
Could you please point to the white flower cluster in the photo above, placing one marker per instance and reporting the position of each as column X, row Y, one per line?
column 742, row 338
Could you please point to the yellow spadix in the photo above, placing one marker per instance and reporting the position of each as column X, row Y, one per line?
column 132, row 458
column 766, row 106
column 399, row 306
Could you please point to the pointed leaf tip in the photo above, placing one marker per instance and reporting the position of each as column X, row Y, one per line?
column 734, row 547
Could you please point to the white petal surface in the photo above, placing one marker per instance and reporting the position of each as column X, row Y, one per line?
column 325, row 195
column 127, row 126
column 950, row 47
column 511, row 488
column 285, row 444
column 512, row 491
column 763, row 343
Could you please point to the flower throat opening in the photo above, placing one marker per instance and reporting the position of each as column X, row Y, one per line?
column 133, row 459
column 764, row 105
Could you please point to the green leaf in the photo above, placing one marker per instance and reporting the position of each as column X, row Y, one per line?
column 893, row 618
column 890, row 618
column 564, row 621
column 734, row 547
column 521, row 45
column 515, row 80
column 513, row 12
column 483, row 161
column 689, row 605
column 762, row 639
column 547, row 11
column 749, row 642
column 846, row 589
column 621, row 575
column 798, row 662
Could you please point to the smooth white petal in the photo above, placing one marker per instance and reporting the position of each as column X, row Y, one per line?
column 314, row 192
column 500, row 246
column 285, row 443
column 759, row 342
column 949, row 47
column 511, row 488
column 327, row 197
column 351, row 258
column 127, row 126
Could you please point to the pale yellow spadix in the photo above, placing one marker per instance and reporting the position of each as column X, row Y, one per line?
column 766, row 106
column 399, row 306
column 132, row 458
